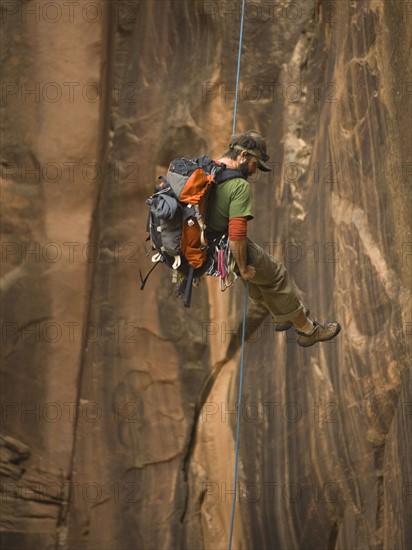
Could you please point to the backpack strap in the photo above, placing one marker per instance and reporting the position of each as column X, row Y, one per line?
column 177, row 262
column 222, row 174
column 187, row 297
column 201, row 223
column 144, row 280
column 202, row 226
column 226, row 174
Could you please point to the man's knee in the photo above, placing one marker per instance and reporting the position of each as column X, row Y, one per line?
column 255, row 293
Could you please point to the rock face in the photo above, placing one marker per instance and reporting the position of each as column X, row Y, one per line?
column 119, row 407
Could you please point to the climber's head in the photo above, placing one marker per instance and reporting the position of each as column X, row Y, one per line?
column 249, row 151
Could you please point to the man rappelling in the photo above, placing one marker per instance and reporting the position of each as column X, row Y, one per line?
column 229, row 212
column 197, row 224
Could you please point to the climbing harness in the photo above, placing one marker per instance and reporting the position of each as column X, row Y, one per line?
column 232, row 521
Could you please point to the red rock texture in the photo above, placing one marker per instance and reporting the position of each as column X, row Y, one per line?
column 119, row 406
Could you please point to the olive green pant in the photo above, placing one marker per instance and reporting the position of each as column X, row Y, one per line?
column 271, row 285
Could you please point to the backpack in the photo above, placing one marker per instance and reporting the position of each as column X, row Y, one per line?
column 176, row 220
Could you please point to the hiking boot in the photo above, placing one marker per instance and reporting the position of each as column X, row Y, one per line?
column 322, row 332
column 286, row 325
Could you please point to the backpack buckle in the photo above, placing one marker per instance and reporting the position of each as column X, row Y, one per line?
column 177, row 262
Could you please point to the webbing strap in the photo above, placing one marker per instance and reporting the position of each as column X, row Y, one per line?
column 188, row 288
column 239, row 409
column 144, row 281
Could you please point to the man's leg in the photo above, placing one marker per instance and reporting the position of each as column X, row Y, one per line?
column 301, row 320
column 309, row 332
column 255, row 295
column 278, row 295
column 271, row 285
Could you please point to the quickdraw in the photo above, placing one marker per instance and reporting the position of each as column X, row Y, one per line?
column 223, row 264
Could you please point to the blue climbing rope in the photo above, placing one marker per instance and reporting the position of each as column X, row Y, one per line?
column 242, row 357
column 239, row 409
column 238, row 65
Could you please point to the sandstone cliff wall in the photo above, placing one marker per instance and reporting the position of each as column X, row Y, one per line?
column 119, row 406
